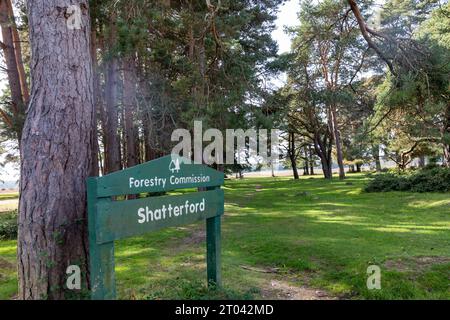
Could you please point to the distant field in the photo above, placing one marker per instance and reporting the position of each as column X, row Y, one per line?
column 285, row 239
column 8, row 201
column 9, row 195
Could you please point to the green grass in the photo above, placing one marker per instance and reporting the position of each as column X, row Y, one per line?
column 8, row 274
column 316, row 233
column 8, row 196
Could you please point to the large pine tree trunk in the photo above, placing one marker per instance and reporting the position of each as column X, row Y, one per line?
column 56, row 152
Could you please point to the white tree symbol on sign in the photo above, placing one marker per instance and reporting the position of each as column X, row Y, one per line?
column 175, row 166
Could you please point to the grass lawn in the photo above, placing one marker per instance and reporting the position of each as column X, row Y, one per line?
column 8, row 196
column 282, row 236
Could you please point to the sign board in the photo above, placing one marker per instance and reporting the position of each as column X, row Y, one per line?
column 111, row 220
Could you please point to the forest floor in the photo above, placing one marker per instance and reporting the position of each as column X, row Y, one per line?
column 285, row 239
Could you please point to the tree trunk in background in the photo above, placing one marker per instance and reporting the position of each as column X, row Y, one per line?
column 326, row 168
column 129, row 103
column 97, row 103
column 311, row 161
column 18, row 53
column 325, row 157
column 272, row 168
column 376, row 156
column 307, row 171
column 445, row 131
column 122, row 142
column 421, row 161
column 337, row 141
column 148, row 147
column 294, row 167
column 446, row 156
column 112, row 141
column 97, row 45
column 56, row 153
column 7, row 45
column 291, row 152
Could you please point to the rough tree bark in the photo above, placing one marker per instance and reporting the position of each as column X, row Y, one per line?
column 56, row 152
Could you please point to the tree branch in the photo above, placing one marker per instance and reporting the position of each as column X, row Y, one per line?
column 365, row 30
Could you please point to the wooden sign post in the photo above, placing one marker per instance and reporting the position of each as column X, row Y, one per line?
column 111, row 220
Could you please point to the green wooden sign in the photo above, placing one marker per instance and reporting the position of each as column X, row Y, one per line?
column 111, row 220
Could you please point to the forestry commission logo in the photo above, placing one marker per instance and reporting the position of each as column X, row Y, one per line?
column 174, row 166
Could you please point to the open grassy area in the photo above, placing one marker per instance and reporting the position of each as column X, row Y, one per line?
column 280, row 235
column 8, row 201
column 8, row 196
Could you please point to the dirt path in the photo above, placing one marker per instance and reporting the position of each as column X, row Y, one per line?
column 282, row 290
column 273, row 286
column 277, row 286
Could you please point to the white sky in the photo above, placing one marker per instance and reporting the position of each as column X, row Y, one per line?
column 286, row 17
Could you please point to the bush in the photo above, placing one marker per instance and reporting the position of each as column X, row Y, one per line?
column 8, row 225
column 432, row 179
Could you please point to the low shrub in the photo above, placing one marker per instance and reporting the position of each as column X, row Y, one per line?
column 432, row 179
column 8, row 225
